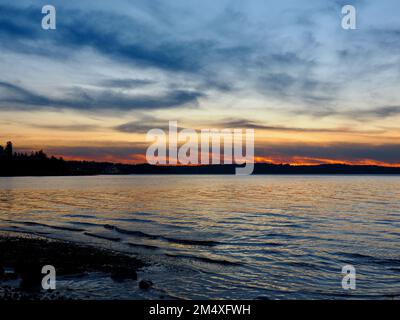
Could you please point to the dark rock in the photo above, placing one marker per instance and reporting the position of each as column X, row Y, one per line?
column 2, row 272
column 30, row 273
column 123, row 273
column 145, row 284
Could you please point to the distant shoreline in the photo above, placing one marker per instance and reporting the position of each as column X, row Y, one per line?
column 13, row 164
column 59, row 167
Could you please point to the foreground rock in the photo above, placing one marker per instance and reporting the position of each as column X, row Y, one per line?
column 145, row 284
column 122, row 273
column 23, row 258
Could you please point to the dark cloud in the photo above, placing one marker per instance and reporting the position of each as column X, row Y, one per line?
column 388, row 153
column 387, row 38
column 246, row 124
column 14, row 97
column 142, row 127
column 17, row 95
column 18, row 22
column 106, row 153
column 117, row 36
column 382, row 112
column 123, row 38
column 232, row 49
column 144, row 123
column 299, row 88
column 70, row 127
column 349, row 152
column 277, row 84
column 125, row 83
column 213, row 83
column 137, row 127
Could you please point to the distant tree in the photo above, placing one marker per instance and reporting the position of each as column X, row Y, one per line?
column 1, row 151
column 40, row 155
column 8, row 151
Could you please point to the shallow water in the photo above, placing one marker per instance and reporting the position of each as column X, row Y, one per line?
column 275, row 237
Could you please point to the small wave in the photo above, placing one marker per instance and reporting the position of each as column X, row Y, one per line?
column 270, row 251
column 144, row 246
column 258, row 244
column 83, row 216
column 134, row 220
column 29, row 223
column 370, row 259
column 280, row 235
column 169, row 239
column 23, row 231
column 192, row 242
column 129, row 232
column 302, row 264
column 203, row 259
column 87, row 224
column 100, row 236
column 142, row 213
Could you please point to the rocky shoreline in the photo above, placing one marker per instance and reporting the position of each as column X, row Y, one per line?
column 22, row 259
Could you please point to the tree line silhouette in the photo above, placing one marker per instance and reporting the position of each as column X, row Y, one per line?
column 34, row 163
column 6, row 153
column 39, row 164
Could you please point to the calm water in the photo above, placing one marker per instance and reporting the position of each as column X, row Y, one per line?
column 251, row 237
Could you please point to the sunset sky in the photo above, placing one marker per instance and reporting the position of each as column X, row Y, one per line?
column 112, row 70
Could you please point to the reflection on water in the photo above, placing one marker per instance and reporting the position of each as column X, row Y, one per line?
column 226, row 236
